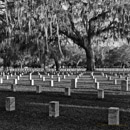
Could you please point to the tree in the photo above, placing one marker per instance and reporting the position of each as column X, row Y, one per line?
column 79, row 20
column 83, row 21
column 119, row 56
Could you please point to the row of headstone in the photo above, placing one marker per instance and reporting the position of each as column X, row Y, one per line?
column 113, row 113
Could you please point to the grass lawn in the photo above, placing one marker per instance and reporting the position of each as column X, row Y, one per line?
column 35, row 117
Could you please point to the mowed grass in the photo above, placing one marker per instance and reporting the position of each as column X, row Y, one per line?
column 35, row 117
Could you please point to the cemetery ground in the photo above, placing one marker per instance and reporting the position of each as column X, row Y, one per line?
column 82, row 110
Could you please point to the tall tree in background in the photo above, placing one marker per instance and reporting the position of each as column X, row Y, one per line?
column 84, row 20
column 79, row 20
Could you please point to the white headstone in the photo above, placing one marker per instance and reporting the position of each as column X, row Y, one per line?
column 30, row 76
column 1, row 80
column 74, row 83
column 113, row 116
column 97, row 85
column 124, row 85
column 109, row 78
column 54, row 109
column 43, row 78
column 13, row 87
column 15, row 81
column 115, row 81
column 51, row 83
column 51, row 76
column 7, row 77
column 18, row 78
column 38, row 89
column 64, row 76
column 100, row 93
column 67, row 91
column 10, row 104
column 32, row 82
column 58, row 79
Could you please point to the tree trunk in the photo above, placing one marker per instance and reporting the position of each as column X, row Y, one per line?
column 57, row 65
column 90, row 59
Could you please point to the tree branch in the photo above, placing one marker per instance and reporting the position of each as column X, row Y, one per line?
column 103, row 14
column 109, row 27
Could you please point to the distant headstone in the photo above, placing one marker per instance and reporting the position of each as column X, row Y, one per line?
column 97, row 85
column 18, row 77
column 7, row 77
column 32, row 82
column 74, row 83
column 54, row 109
column 109, row 78
column 115, row 81
column 113, row 116
column 95, row 80
column 58, row 79
column 10, row 103
column 43, row 78
column 102, row 74
column 51, row 76
column 1, row 80
column 13, row 87
column 64, row 76
column 100, row 93
column 38, row 89
column 126, row 78
column 15, row 81
column 124, row 85
column 67, row 91
column 120, row 76
column 30, row 76
column 51, row 83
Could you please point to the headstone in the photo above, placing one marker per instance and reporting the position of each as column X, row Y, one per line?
column 1, row 80
column 15, row 81
column 54, row 109
column 106, row 76
column 7, row 77
column 74, row 83
column 30, row 76
column 40, row 76
column 51, row 76
column 93, row 77
column 113, row 116
column 43, row 78
column 109, row 78
column 120, row 76
column 38, row 89
column 115, row 75
column 97, row 85
column 100, row 93
column 13, row 87
column 32, row 82
column 124, row 85
column 64, row 76
column 126, row 78
column 115, row 81
column 91, row 73
column 58, row 79
column 18, row 78
column 95, row 80
column 51, row 83
column 10, row 103
column 102, row 74
column 67, row 91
